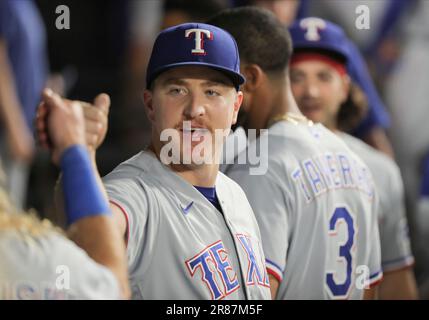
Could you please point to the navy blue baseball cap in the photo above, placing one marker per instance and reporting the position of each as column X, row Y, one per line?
column 195, row 44
column 316, row 33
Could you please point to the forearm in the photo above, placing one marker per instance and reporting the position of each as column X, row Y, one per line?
column 88, row 215
column 92, row 226
column 371, row 294
column 60, row 213
column 399, row 285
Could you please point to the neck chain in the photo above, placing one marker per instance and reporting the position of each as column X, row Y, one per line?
column 290, row 117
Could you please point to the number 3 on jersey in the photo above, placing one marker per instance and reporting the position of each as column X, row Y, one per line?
column 342, row 234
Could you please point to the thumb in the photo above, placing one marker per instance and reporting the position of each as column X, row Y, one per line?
column 52, row 99
column 102, row 102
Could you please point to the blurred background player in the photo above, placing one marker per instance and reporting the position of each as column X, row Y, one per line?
column 405, row 26
column 23, row 74
column 320, row 84
column 38, row 261
column 372, row 128
column 316, row 203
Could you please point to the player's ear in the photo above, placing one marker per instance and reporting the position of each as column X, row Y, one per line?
column 237, row 104
column 254, row 77
column 148, row 104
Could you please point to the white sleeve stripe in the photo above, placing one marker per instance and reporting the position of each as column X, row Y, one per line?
column 398, row 263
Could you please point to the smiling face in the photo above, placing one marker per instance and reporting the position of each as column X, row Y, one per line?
column 319, row 89
column 194, row 102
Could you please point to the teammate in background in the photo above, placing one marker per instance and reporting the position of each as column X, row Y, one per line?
column 190, row 231
column 37, row 260
column 372, row 128
column 23, row 74
column 316, row 204
column 320, row 84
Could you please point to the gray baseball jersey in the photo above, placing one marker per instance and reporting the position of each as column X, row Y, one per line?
column 393, row 225
column 179, row 245
column 317, row 211
column 50, row 267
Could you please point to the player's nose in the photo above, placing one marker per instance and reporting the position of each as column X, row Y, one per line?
column 311, row 89
column 196, row 106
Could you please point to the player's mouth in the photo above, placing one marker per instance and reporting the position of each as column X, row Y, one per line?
column 196, row 133
column 310, row 107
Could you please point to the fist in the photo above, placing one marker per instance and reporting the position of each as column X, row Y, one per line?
column 95, row 116
column 65, row 123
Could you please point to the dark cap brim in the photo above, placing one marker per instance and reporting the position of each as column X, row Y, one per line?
column 236, row 78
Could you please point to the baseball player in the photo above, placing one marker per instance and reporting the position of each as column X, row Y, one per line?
column 320, row 84
column 190, row 231
column 37, row 260
column 316, row 205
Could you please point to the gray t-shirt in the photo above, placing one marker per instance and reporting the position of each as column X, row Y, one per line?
column 317, row 211
column 50, row 267
column 179, row 245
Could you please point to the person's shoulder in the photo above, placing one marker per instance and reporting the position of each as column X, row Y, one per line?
column 371, row 156
column 305, row 135
column 31, row 248
column 273, row 142
column 329, row 138
column 139, row 165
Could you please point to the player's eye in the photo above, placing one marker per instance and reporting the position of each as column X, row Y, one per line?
column 325, row 76
column 176, row 91
column 296, row 77
column 212, row 93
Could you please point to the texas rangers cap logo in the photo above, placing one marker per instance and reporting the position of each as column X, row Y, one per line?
column 312, row 25
column 313, row 33
column 195, row 44
column 199, row 39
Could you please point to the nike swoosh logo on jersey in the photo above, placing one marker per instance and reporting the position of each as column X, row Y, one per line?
column 186, row 210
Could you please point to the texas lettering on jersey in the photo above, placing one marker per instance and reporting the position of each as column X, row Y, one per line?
column 213, row 266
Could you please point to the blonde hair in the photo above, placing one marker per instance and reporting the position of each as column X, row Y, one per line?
column 25, row 223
